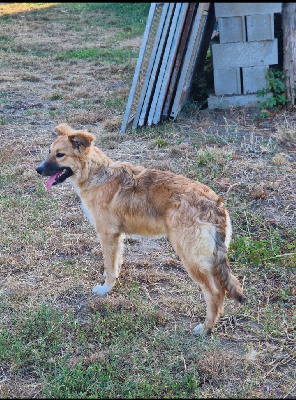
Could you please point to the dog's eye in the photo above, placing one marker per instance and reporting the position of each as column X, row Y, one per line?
column 60, row 155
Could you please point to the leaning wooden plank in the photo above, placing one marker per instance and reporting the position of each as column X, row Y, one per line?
column 205, row 40
column 170, row 63
column 179, row 59
column 191, row 54
column 192, row 45
column 164, row 62
column 151, row 63
column 138, row 67
column 156, row 66
column 198, row 60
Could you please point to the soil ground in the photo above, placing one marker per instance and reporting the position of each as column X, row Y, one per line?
column 50, row 255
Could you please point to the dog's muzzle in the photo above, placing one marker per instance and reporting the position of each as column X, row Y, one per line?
column 48, row 168
column 40, row 168
column 55, row 172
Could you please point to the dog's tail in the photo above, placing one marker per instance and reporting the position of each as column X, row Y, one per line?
column 222, row 272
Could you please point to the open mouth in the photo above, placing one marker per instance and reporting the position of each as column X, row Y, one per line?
column 59, row 177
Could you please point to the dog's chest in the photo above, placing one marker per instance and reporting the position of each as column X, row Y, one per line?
column 87, row 213
column 84, row 207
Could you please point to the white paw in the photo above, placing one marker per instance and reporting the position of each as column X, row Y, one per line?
column 101, row 290
column 104, row 273
column 199, row 330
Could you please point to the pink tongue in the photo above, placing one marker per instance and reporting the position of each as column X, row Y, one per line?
column 52, row 179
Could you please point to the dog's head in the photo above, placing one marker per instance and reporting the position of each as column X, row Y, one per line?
column 65, row 154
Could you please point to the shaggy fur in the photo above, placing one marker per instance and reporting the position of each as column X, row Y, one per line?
column 119, row 198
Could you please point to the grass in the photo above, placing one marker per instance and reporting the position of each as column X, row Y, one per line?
column 123, row 333
column 56, row 340
column 109, row 55
column 160, row 142
column 55, row 96
column 212, row 155
column 132, row 15
column 68, row 357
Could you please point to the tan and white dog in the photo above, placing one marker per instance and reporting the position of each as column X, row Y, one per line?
column 119, row 198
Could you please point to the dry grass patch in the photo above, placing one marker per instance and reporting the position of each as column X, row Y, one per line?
column 9, row 9
column 212, row 155
column 113, row 124
column 84, row 117
column 56, row 340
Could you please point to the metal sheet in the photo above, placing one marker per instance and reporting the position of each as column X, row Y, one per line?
column 174, row 46
column 138, row 66
column 179, row 58
column 170, row 62
column 190, row 58
column 164, row 62
column 156, row 66
column 150, row 65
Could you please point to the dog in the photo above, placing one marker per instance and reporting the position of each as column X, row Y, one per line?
column 118, row 198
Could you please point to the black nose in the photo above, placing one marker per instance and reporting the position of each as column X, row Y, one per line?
column 39, row 169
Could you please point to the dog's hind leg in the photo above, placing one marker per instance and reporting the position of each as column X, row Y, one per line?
column 214, row 296
column 213, row 293
column 196, row 252
column 112, row 253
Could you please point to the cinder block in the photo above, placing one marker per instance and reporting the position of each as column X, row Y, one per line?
column 260, row 27
column 242, row 9
column 254, row 78
column 235, row 101
column 232, row 29
column 227, row 81
column 244, row 54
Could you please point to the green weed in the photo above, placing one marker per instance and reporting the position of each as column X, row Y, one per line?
column 43, row 341
column 55, row 96
column 212, row 156
column 160, row 143
column 116, row 102
column 124, row 14
column 276, row 86
column 5, row 42
column 54, row 114
column 33, row 338
column 272, row 249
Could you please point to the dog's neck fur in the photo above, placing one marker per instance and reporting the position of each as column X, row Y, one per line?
column 97, row 162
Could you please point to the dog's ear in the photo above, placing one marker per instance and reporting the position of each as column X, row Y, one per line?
column 77, row 138
column 81, row 138
column 64, row 129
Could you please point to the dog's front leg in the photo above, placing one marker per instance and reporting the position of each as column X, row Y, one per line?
column 112, row 252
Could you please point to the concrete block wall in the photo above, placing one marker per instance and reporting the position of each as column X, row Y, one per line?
column 241, row 9
column 233, row 79
column 232, row 29
column 245, row 50
column 260, row 27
